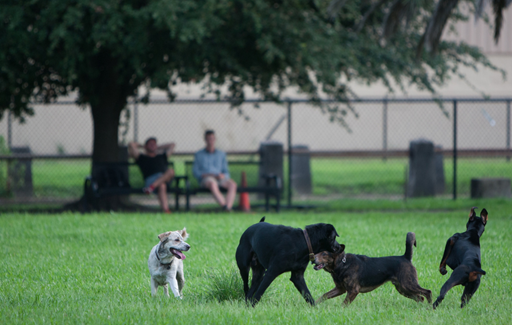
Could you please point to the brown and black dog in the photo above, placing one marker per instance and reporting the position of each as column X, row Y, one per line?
column 356, row 274
column 462, row 255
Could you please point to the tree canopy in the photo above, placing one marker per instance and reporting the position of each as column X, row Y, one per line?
column 106, row 49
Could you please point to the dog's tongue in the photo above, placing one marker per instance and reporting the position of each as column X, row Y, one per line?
column 178, row 254
column 318, row 267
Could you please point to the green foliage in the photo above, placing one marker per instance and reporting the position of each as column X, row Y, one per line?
column 106, row 50
column 58, row 46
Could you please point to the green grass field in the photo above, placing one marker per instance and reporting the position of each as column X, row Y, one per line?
column 349, row 177
column 92, row 269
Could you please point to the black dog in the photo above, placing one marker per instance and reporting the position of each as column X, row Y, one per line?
column 270, row 250
column 356, row 274
column 462, row 254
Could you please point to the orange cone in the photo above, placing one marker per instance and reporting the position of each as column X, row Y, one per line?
column 245, row 205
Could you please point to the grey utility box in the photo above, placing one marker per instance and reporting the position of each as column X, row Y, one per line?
column 271, row 160
column 20, row 173
column 422, row 171
column 301, row 169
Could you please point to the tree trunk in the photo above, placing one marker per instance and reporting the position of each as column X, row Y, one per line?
column 105, row 124
column 105, row 117
column 108, row 99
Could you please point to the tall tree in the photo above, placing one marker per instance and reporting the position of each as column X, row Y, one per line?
column 106, row 49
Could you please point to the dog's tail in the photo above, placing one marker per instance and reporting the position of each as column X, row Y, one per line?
column 409, row 241
column 262, row 219
column 473, row 275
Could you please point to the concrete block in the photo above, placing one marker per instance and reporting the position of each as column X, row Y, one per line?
column 490, row 188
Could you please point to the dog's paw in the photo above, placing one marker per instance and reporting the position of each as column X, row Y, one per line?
column 442, row 270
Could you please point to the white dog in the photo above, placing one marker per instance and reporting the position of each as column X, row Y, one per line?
column 166, row 262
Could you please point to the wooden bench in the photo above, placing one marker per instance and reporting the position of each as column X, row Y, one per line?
column 123, row 178
column 269, row 186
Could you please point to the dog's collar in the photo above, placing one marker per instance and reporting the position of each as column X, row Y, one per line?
column 311, row 254
column 158, row 257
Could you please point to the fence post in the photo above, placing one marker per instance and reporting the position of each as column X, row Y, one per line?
column 9, row 130
column 289, row 153
column 454, row 149
column 385, row 127
column 508, row 128
column 136, row 120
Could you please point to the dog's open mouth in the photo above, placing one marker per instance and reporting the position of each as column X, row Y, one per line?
column 318, row 267
column 177, row 253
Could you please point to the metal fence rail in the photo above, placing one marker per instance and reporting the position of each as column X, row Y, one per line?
column 472, row 134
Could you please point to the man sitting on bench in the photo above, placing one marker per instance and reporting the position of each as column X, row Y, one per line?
column 211, row 170
column 153, row 166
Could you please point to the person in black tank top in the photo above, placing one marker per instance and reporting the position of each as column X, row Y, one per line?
column 154, row 167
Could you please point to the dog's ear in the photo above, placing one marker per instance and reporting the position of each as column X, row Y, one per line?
column 341, row 249
column 163, row 237
column 332, row 229
column 484, row 216
column 184, row 233
column 472, row 213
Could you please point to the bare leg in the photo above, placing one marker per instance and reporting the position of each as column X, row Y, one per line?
column 231, row 186
column 161, row 186
column 162, row 197
column 165, row 178
column 217, row 195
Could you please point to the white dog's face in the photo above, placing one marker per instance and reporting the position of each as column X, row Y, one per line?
column 173, row 243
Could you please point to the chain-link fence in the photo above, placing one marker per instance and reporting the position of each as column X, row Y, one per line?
column 367, row 159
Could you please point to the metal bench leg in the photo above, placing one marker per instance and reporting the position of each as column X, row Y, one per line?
column 278, row 203
column 187, row 201
column 176, row 201
column 267, row 202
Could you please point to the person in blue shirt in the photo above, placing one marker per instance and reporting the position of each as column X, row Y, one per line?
column 211, row 171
